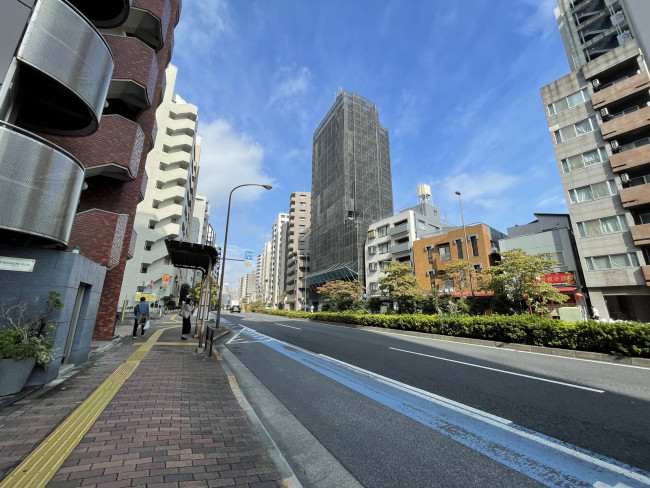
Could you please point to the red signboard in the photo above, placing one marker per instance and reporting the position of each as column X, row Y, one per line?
column 565, row 278
column 165, row 280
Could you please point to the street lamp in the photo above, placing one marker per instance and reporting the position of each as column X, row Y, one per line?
column 469, row 266
column 225, row 242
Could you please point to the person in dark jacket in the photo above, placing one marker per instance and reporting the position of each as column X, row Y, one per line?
column 142, row 313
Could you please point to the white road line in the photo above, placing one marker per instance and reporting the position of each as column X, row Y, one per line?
column 290, row 326
column 501, row 371
column 507, row 349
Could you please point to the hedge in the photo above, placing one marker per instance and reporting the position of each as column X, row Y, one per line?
column 618, row 338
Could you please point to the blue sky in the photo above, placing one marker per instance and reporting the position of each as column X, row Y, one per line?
column 456, row 84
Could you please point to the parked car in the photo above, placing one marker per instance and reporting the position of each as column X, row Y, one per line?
column 235, row 308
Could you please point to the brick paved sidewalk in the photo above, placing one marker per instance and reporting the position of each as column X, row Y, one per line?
column 175, row 422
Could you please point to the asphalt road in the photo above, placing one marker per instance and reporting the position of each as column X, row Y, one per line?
column 403, row 411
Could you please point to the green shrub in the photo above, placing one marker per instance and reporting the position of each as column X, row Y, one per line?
column 620, row 338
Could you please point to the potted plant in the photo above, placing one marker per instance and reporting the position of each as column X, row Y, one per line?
column 24, row 340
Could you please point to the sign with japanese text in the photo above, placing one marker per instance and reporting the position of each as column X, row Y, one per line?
column 165, row 279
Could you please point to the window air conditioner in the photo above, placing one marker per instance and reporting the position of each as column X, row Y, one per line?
column 625, row 178
column 614, row 145
column 604, row 113
column 595, row 83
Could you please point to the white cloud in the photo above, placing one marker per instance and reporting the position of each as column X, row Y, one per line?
column 489, row 191
column 202, row 24
column 229, row 159
column 288, row 84
column 540, row 22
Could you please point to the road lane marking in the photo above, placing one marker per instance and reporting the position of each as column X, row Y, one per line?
column 501, row 371
column 290, row 326
column 508, row 349
column 550, row 461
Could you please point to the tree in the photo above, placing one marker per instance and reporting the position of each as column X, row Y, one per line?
column 341, row 295
column 195, row 293
column 518, row 276
column 401, row 285
column 460, row 272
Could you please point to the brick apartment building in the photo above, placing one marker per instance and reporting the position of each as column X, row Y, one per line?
column 80, row 83
column 433, row 254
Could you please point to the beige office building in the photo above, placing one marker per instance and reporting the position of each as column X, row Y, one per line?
column 599, row 122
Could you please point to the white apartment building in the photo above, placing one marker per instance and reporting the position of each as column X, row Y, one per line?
column 279, row 235
column 246, row 288
column 263, row 274
column 391, row 239
column 598, row 121
column 167, row 209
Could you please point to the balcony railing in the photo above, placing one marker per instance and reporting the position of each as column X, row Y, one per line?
column 66, row 61
column 40, row 185
column 635, row 195
column 641, row 234
column 399, row 229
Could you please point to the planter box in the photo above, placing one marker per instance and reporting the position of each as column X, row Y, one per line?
column 14, row 374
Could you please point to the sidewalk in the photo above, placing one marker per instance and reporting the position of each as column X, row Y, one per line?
column 146, row 412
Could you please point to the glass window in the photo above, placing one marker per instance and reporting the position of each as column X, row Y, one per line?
column 382, row 231
column 374, row 286
column 592, row 192
column 384, row 264
column 612, row 261
column 567, row 102
column 421, row 225
column 372, row 249
column 576, row 130
column 445, row 252
column 607, row 225
column 383, row 248
column 583, row 160
column 474, row 241
column 372, row 266
column 459, row 248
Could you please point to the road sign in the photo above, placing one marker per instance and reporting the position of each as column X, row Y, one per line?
column 248, row 259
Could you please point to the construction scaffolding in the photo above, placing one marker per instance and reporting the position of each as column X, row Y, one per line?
column 351, row 187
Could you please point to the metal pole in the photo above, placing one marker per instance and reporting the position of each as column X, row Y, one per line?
column 225, row 243
column 469, row 266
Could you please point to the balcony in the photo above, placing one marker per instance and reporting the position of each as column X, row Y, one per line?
column 64, row 68
column 621, row 90
column 105, row 14
column 136, row 71
column 646, row 274
column 100, row 235
column 40, row 185
column 400, row 248
column 641, row 234
column 628, row 123
column 119, row 161
column 134, row 239
column 398, row 229
column 635, row 196
column 149, row 21
column 633, row 158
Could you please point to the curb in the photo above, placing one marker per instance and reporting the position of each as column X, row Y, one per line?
column 289, row 479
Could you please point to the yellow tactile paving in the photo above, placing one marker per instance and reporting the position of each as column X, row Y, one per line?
column 40, row 466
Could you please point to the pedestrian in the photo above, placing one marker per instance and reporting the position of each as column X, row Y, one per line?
column 311, row 309
column 594, row 313
column 186, row 312
column 141, row 311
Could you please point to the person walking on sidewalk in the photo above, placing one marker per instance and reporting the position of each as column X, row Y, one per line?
column 186, row 313
column 142, row 313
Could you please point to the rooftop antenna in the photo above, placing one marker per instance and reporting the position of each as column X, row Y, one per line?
column 339, row 90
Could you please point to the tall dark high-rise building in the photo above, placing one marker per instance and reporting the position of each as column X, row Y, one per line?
column 351, row 187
